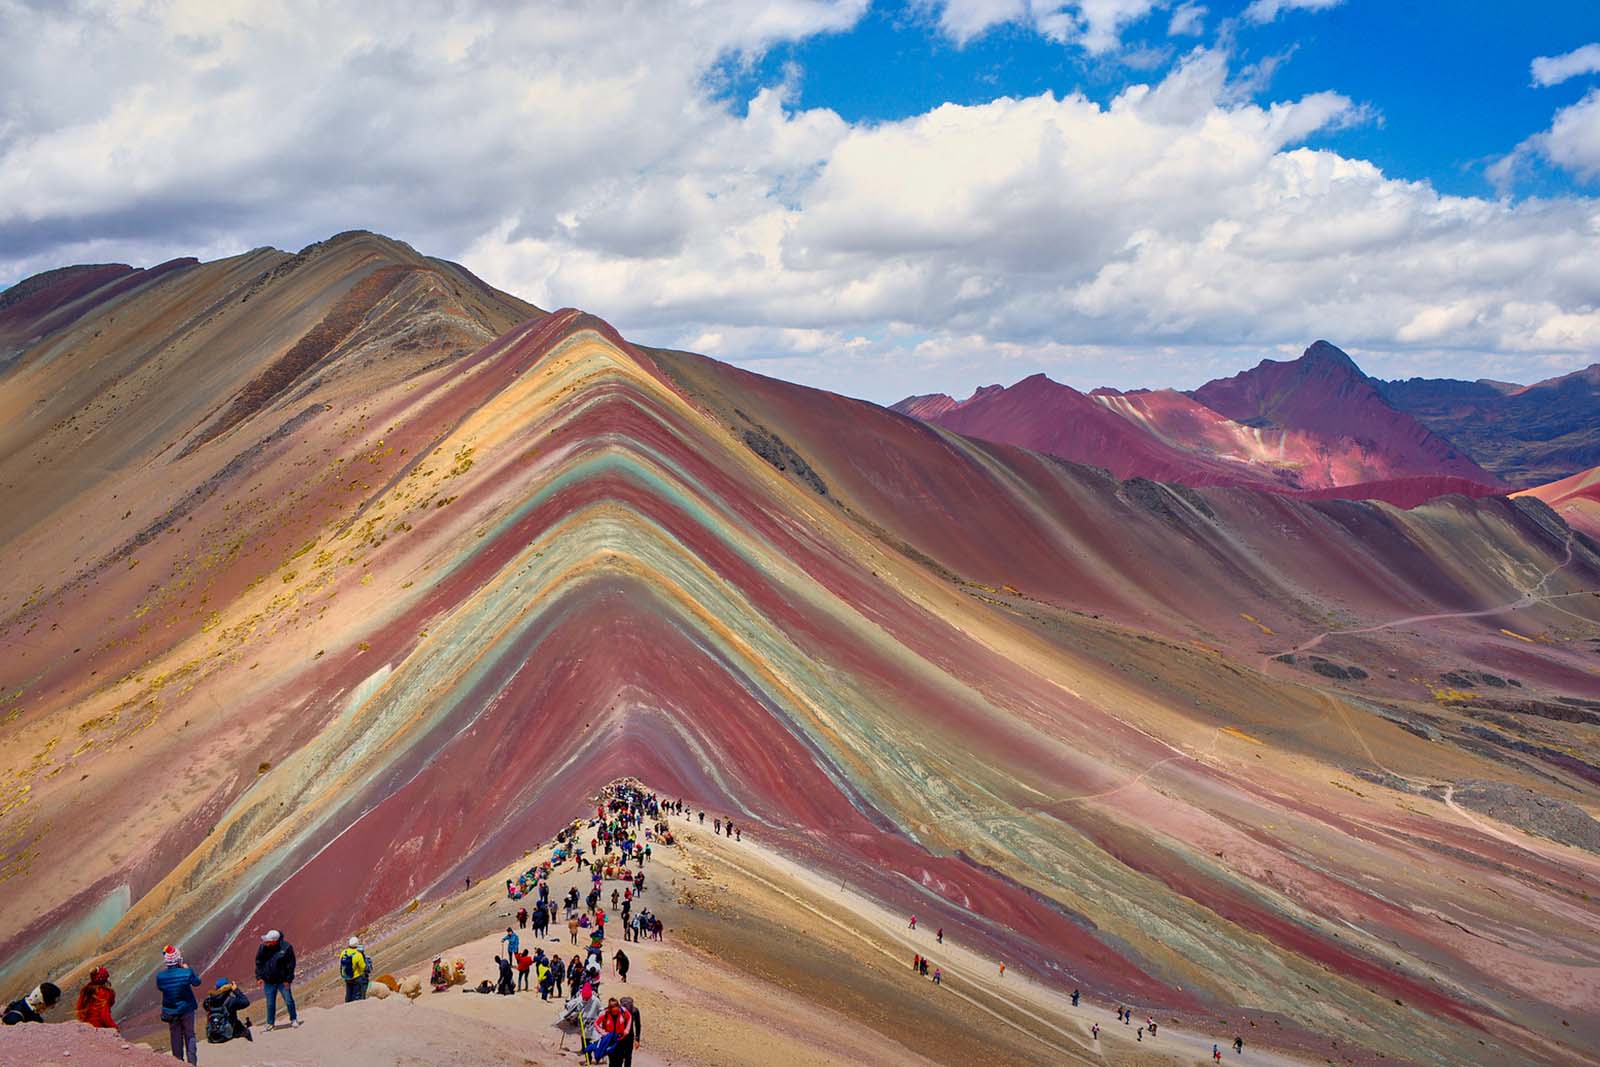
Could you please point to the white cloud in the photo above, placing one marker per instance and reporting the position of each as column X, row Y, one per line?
column 1188, row 20
column 1267, row 10
column 590, row 161
column 1553, row 70
column 1095, row 25
column 1572, row 143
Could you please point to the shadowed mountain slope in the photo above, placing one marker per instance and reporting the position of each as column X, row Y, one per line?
column 1525, row 434
column 320, row 599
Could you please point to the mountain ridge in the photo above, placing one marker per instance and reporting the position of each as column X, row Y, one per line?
column 374, row 636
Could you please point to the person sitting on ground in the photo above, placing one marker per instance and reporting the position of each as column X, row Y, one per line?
column 222, row 1006
column 441, row 975
column 31, row 1008
column 96, row 999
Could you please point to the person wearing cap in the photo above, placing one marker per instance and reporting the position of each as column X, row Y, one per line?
column 222, row 1006
column 355, row 967
column 177, row 980
column 275, row 972
column 31, row 1008
column 95, row 1000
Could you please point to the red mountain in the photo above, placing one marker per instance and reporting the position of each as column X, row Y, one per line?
column 1576, row 499
column 1315, row 426
column 1325, row 394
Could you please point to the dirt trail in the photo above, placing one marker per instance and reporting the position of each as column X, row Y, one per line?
column 1529, row 597
column 1015, row 1000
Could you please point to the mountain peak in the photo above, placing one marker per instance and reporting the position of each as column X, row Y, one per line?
column 1328, row 354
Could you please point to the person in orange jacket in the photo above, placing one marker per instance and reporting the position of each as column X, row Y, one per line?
column 96, row 999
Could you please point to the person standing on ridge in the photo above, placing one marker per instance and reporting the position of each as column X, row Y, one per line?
column 176, row 981
column 96, row 999
column 1238, row 1045
column 913, row 922
column 524, row 965
column 354, row 968
column 620, row 963
column 275, row 972
column 1074, row 998
column 522, row 918
column 511, row 941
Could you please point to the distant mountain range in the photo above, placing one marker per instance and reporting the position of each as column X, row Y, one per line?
column 1316, row 427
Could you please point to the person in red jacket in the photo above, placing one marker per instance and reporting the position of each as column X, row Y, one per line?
column 617, row 1021
column 95, row 1000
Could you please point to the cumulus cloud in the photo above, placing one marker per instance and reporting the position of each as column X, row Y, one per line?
column 1553, row 70
column 1267, row 10
column 593, row 161
column 1572, row 143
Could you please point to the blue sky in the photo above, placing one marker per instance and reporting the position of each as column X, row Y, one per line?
column 1448, row 80
column 874, row 196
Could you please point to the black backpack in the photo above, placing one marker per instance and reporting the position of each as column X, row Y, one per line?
column 219, row 1027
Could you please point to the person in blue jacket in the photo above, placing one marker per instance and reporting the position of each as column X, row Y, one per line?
column 177, row 982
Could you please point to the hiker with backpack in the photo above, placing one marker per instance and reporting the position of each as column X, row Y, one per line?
column 356, row 970
column 177, row 980
column 95, row 1000
column 275, row 972
column 222, row 1007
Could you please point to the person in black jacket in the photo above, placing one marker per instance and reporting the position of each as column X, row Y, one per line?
column 31, row 1008
column 635, row 1035
column 275, row 972
column 222, row 1013
column 507, row 986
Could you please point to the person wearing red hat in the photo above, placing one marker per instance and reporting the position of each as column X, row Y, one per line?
column 96, row 999
column 177, row 980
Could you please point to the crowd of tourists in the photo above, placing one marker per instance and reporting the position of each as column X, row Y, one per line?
column 615, row 847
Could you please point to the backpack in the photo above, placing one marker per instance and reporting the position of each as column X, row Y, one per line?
column 352, row 964
column 219, row 1027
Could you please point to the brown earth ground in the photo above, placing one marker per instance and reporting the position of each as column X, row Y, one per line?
column 763, row 962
